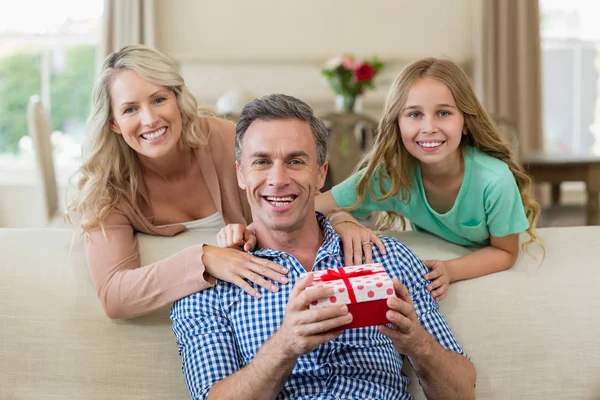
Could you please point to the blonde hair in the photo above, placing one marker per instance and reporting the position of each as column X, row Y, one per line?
column 109, row 172
column 388, row 156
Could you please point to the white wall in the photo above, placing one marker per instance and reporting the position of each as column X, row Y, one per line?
column 259, row 29
column 278, row 46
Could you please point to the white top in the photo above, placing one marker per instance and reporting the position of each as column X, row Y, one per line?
column 212, row 222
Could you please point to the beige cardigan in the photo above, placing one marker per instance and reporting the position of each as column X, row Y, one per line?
column 127, row 290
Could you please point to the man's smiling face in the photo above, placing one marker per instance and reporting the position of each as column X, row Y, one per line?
column 280, row 173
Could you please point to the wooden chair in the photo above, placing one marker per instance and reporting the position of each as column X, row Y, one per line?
column 39, row 131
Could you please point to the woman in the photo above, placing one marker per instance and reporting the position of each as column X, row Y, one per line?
column 151, row 168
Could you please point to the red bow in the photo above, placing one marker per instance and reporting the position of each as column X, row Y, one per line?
column 339, row 273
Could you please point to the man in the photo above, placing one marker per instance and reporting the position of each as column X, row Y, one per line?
column 236, row 346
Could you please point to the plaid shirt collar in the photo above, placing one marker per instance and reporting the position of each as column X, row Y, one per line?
column 329, row 247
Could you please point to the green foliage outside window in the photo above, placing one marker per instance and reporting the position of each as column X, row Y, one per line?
column 70, row 91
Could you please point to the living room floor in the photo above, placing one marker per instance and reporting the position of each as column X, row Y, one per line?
column 570, row 211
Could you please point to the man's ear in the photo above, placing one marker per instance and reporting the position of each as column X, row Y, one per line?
column 240, row 177
column 322, row 175
column 113, row 126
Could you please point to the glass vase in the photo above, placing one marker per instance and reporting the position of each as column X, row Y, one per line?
column 347, row 103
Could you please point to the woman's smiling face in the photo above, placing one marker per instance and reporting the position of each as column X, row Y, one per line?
column 145, row 114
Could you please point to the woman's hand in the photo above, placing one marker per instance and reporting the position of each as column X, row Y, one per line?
column 440, row 277
column 233, row 266
column 357, row 241
column 237, row 236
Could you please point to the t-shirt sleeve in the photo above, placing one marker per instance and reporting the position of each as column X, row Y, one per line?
column 345, row 195
column 504, row 208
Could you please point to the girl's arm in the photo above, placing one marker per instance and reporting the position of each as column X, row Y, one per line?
column 504, row 214
column 325, row 203
column 500, row 255
column 357, row 240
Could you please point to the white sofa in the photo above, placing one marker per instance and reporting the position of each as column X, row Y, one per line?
column 533, row 332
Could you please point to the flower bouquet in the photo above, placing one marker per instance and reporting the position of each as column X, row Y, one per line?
column 350, row 78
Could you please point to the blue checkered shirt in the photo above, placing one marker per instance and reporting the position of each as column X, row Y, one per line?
column 219, row 330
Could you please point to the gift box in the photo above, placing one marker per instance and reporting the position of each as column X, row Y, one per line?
column 364, row 288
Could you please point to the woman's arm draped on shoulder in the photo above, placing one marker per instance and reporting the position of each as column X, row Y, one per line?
column 127, row 291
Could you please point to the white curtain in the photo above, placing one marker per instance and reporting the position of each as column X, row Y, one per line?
column 127, row 22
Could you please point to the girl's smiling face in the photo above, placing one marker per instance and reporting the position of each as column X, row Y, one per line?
column 431, row 124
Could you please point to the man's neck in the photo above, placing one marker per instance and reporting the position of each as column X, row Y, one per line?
column 303, row 243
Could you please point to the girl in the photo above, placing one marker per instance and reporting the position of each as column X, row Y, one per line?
column 156, row 166
column 438, row 160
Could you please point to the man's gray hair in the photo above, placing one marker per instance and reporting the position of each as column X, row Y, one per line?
column 281, row 106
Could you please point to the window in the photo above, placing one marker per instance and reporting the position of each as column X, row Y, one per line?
column 570, row 35
column 47, row 48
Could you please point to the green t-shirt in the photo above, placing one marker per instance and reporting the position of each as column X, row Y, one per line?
column 488, row 202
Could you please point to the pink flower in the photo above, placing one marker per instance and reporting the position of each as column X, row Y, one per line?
column 348, row 62
column 364, row 72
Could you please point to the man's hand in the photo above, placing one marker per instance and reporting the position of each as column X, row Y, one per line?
column 237, row 236
column 303, row 329
column 406, row 331
column 440, row 275
column 442, row 374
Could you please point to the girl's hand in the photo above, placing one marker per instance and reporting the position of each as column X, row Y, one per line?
column 440, row 277
column 233, row 266
column 237, row 236
column 356, row 240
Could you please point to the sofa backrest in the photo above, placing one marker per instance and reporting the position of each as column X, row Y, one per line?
column 532, row 331
column 56, row 341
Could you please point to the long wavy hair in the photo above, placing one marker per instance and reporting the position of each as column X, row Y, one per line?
column 388, row 156
column 110, row 170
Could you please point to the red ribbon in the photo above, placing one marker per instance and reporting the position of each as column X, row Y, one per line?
column 339, row 273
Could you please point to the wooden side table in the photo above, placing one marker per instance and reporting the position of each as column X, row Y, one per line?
column 558, row 168
column 351, row 138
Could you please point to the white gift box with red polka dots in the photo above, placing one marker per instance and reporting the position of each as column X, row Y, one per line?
column 364, row 288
